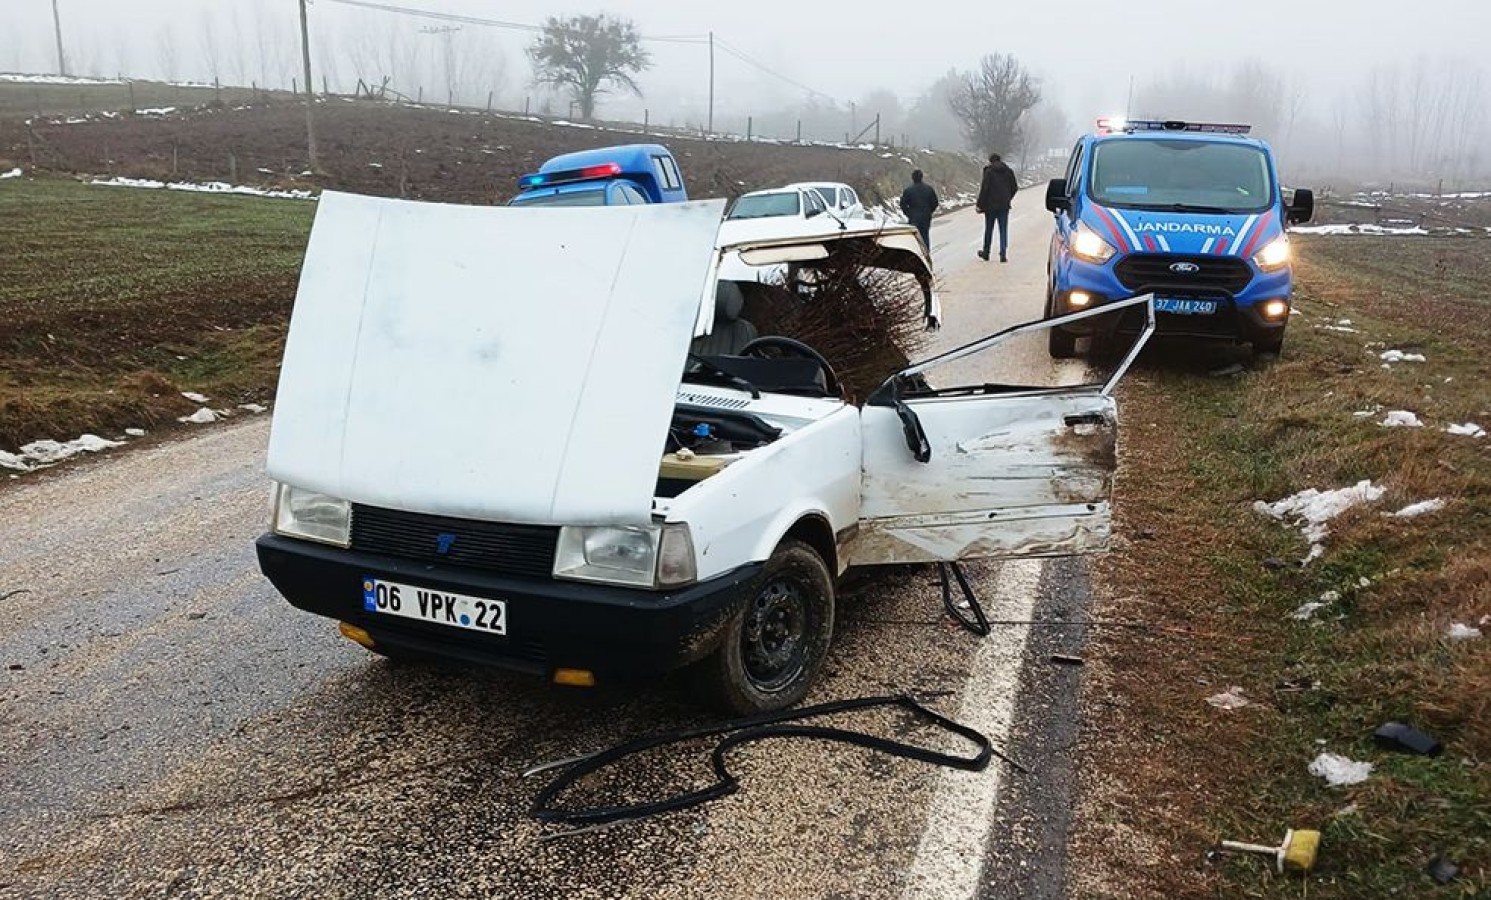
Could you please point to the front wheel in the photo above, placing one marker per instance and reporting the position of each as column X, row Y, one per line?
column 1063, row 344
column 776, row 644
column 1272, row 344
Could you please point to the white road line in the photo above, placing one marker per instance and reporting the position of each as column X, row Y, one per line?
column 950, row 857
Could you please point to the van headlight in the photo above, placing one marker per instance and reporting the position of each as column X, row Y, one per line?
column 1087, row 245
column 1274, row 255
column 310, row 516
column 650, row 556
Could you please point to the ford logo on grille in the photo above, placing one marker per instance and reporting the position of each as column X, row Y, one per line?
column 443, row 543
column 1184, row 268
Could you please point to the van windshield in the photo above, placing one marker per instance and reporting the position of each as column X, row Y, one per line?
column 1183, row 175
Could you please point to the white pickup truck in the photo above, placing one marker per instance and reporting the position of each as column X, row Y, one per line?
column 493, row 443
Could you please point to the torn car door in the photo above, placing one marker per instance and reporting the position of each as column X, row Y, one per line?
column 988, row 471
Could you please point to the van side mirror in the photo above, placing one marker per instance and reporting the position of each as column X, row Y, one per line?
column 1056, row 198
column 1302, row 208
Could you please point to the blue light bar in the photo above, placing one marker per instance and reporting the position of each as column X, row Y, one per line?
column 1132, row 125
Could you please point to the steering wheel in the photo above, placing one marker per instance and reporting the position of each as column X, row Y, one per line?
column 792, row 347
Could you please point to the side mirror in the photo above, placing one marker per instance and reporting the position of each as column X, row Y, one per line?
column 1302, row 209
column 1056, row 198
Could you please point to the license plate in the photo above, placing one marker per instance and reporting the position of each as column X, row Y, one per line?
column 1184, row 307
column 391, row 598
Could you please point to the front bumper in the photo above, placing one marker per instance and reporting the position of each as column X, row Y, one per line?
column 1238, row 316
column 614, row 632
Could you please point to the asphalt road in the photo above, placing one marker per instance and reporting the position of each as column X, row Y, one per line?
column 170, row 727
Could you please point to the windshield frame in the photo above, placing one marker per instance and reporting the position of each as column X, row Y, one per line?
column 1269, row 199
column 534, row 198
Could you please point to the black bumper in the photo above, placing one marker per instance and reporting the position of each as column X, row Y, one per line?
column 1231, row 322
column 615, row 632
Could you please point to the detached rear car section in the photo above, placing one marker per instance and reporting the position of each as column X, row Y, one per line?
column 1190, row 212
column 546, row 441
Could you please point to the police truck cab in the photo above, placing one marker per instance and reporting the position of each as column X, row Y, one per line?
column 627, row 175
column 1191, row 212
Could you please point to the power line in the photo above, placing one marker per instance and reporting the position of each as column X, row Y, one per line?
column 498, row 23
column 748, row 60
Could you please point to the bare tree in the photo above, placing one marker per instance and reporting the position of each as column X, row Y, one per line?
column 589, row 56
column 166, row 54
column 209, row 48
column 990, row 102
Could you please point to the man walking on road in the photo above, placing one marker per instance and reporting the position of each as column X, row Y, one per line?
column 918, row 202
column 994, row 198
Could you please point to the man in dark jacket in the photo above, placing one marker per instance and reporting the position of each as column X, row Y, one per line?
column 918, row 202
column 994, row 198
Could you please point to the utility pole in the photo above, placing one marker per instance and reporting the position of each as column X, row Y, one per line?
column 710, row 128
column 310, row 92
column 61, row 57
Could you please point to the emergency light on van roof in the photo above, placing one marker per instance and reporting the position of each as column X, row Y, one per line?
column 604, row 170
column 1110, row 125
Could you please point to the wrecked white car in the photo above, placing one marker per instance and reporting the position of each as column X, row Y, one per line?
column 494, row 443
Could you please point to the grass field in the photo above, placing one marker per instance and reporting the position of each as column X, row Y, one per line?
column 113, row 300
column 27, row 99
column 1171, row 775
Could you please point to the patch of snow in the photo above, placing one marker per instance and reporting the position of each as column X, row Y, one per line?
column 195, row 398
column 1378, row 230
column 375, row 165
column 1459, row 632
column 39, row 454
column 1307, row 610
column 201, row 417
column 211, row 187
column 253, row 408
column 1401, row 418
column 1421, row 508
column 57, row 79
column 1469, row 429
column 1397, row 356
column 1338, row 771
column 156, row 111
column 1312, row 509
column 1232, row 699
column 135, row 432
column 13, row 173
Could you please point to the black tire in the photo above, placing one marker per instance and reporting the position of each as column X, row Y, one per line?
column 1272, row 344
column 1063, row 344
column 775, row 645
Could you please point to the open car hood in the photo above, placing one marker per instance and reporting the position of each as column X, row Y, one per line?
column 495, row 363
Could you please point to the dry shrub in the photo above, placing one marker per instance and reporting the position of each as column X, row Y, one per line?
column 867, row 322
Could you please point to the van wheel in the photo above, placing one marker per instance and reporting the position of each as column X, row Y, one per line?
column 1063, row 344
column 776, row 644
column 1269, row 345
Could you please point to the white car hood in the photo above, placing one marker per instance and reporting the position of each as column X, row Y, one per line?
column 496, row 363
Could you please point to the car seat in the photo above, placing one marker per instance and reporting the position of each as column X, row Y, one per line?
column 730, row 332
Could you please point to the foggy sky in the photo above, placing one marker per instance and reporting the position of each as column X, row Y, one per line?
column 1086, row 50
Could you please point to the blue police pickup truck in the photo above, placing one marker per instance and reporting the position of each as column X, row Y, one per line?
column 626, row 175
column 1191, row 212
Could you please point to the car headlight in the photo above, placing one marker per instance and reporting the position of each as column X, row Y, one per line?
column 1274, row 255
column 312, row 517
column 1087, row 245
column 651, row 556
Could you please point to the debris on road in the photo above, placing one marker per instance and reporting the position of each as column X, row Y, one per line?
column 1231, row 699
column 1296, row 853
column 1406, row 739
column 1338, row 771
column 1066, row 660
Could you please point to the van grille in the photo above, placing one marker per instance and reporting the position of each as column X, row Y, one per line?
column 1214, row 275
column 489, row 546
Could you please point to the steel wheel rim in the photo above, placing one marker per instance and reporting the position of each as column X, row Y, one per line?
column 774, row 638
